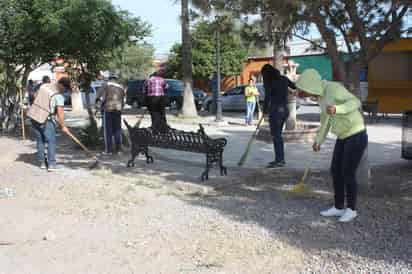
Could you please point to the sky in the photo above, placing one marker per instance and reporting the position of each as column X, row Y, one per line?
column 163, row 15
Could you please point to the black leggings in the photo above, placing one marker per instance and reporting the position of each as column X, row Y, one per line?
column 346, row 159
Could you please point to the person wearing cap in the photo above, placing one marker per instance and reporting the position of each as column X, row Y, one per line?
column 111, row 98
column 340, row 114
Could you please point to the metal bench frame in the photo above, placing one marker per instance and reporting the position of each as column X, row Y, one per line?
column 196, row 142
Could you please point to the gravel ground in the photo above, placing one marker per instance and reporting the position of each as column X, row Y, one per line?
column 161, row 219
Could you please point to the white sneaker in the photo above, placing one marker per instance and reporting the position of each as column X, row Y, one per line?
column 349, row 216
column 333, row 212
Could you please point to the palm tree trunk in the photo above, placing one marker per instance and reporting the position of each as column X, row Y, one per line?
column 189, row 107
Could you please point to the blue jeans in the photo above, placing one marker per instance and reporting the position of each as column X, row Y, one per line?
column 250, row 111
column 277, row 119
column 45, row 134
column 346, row 159
column 112, row 124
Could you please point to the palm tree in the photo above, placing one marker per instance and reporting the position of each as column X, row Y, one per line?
column 189, row 107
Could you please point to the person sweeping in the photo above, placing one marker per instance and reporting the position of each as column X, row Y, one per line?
column 46, row 112
column 276, row 105
column 340, row 114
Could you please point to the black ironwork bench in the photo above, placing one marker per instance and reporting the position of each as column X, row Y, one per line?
column 196, row 142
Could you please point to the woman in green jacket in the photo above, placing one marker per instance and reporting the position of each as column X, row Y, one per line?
column 340, row 114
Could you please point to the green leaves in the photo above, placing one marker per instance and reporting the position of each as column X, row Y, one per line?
column 204, row 53
column 132, row 61
column 87, row 32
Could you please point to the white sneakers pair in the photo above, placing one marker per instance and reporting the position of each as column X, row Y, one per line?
column 345, row 215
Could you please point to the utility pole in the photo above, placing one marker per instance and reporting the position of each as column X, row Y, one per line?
column 218, row 98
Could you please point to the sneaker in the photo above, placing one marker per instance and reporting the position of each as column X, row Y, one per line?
column 333, row 212
column 349, row 216
column 271, row 165
column 43, row 166
column 276, row 164
column 52, row 169
column 107, row 154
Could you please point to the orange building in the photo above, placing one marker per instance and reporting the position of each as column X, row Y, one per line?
column 252, row 68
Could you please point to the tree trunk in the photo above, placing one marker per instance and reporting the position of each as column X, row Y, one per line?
column 278, row 57
column 77, row 102
column 189, row 106
column 278, row 64
column 25, row 77
column 352, row 81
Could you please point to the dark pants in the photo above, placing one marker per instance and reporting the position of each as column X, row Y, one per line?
column 112, row 124
column 45, row 134
column 277, row 119
column 346, row 159
column 157, row 108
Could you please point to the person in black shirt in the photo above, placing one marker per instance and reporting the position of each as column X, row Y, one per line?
column 276, row 105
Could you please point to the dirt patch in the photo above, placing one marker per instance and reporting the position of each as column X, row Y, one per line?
column 157, row 219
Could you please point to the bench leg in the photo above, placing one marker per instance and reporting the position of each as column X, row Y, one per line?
column 223, row 169
column 131, row 162
column 136, row 152
column 149, row 159
column 205, row 174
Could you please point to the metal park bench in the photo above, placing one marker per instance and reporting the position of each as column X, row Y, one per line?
column 196, row 142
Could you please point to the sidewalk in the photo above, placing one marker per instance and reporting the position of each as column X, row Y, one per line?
column 384, row 142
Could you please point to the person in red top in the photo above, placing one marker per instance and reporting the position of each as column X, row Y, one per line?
column 155, row 89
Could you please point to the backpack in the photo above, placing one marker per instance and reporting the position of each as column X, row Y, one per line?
column 40, row 110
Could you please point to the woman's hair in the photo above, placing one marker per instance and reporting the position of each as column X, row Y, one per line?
column 65, row 82
column 269, row 74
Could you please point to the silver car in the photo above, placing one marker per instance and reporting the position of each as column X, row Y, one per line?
column 233, row 99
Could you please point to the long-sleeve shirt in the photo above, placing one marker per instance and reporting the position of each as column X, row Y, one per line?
column 112, row 97
column 155, row 86
column 276, row 94
column 347, row 121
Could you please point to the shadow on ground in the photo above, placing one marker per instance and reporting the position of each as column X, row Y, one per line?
column 382, row 232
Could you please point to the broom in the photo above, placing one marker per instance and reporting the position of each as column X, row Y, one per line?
column 96, row 163
column 243, row 159
column 301, row 187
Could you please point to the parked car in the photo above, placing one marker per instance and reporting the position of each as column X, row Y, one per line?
column 95, row 85
column 234, row 99
column 135, row 94
column 200, row 97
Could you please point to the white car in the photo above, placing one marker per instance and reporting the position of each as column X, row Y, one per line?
column 94, row 87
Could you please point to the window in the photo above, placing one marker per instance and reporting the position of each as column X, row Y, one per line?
column 236, row 91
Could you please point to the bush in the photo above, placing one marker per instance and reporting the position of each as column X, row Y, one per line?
column 92, row 136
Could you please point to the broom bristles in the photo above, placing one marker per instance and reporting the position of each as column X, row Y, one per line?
column 243, row 159
column 300, row 188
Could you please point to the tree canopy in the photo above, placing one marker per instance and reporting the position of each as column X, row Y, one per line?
column 363, row 26
column 133, row 61
column 84, row 33
column 204, row 53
